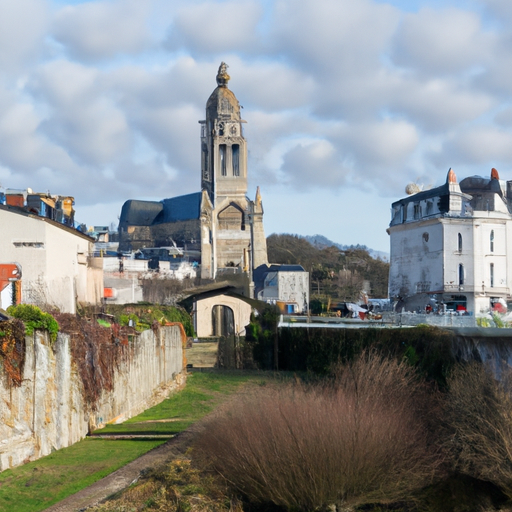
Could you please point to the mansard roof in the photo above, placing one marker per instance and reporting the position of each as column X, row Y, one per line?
column 441, row 191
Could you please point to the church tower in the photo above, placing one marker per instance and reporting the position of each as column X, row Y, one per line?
column 232, row 236
column 223, row 146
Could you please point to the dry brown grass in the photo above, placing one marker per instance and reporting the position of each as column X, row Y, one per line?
column 478, row 416
column 176, row 488
column 358, row 439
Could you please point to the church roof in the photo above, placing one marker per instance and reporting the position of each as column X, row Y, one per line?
column 185, row 207
column 147, row 213
column 139, row 213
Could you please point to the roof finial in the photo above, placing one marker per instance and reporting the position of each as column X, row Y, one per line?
column 258, row 197
column 222, row 75
column 451, row 178
column 494, row 174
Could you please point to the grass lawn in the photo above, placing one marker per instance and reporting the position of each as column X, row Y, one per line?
column 39, row 484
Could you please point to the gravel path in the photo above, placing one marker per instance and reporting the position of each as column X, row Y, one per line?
column 123, row 477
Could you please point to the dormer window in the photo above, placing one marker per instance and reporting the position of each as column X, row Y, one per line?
column 417, row 211
column 403, row 212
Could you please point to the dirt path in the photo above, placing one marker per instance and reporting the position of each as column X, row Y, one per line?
column 123, row 477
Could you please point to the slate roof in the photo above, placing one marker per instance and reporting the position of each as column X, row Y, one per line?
column 260, row 272
column 139, row 213
column 147, row 213
column 186, row 207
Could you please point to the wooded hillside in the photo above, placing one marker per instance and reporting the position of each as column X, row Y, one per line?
column 335, row 273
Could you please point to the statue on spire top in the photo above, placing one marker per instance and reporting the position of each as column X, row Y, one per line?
column 222, row 75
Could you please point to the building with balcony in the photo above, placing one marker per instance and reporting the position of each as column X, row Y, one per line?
column 451, row 246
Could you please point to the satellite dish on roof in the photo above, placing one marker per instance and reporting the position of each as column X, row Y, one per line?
column 412, row 188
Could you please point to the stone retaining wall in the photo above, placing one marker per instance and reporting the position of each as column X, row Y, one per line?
column 47, row 412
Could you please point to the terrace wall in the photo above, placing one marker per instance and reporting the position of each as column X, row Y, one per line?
column 48, row 411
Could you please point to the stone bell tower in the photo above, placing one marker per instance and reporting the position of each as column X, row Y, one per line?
column 223, row 146
column 232, row 236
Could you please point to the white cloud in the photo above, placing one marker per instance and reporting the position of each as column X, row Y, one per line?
column 442, row 41
column 333, row 38
column 83, row 118
column 271, row 85
column 174, row 132
column 100, row 30
column 315, row 164
column 216, row 27
column 439, row 104
column 386, row 143
column 479, row 146
column 23, row 24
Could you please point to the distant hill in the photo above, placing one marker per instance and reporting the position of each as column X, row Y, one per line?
column 321, row 241
column 338, row 272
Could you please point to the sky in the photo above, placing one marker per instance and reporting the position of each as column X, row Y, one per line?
column 346, row 101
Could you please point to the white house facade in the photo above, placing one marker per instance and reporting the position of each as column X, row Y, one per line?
column 288, row 284
column 452, row 245
column 56, row 267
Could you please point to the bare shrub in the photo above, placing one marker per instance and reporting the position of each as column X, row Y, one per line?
column 478, row 416
column 356, row 440
column 161, row 289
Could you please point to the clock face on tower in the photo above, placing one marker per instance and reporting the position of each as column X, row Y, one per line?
column 233, row 130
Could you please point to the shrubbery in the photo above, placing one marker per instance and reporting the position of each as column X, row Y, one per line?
column 361, row 438
column 478, row 422
column 34, row 319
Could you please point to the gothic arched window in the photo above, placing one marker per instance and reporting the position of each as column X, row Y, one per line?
column 461, row 274
column 491, row 240
column 459, row 243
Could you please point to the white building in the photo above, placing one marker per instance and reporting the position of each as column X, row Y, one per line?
column 54, row 259
column 285, row 285
column 450, row 244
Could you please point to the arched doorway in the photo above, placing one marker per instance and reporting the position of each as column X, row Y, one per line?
column 223, row 321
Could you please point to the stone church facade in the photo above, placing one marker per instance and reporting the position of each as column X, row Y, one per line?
column 220, row 221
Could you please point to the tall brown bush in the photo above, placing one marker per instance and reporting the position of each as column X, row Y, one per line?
column 478, row 418
column 358, row 439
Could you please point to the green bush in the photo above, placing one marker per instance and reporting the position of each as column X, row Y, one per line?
column 35, row 319
column 144, row 315
column 427, row 348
